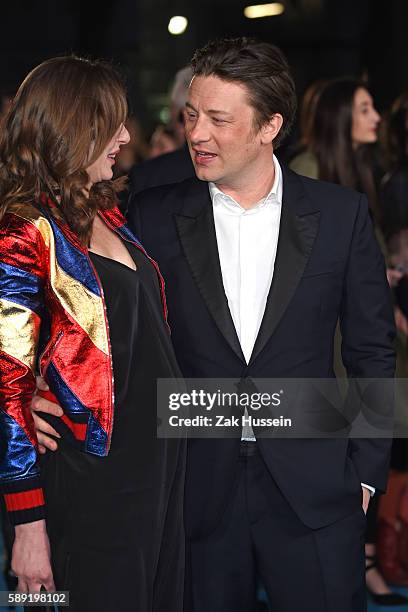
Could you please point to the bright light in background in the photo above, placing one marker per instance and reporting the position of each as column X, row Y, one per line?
column 177, row 25
column 264, row 10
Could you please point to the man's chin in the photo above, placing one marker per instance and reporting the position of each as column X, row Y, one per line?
column 203, row 174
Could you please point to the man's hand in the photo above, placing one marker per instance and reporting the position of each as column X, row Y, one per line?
column 31, row 558
column 394, row 276
column 44, row 429
column 366, row 499
column 400, row 321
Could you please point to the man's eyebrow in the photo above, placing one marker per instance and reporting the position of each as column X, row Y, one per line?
column 210, row 111
column 218, row 112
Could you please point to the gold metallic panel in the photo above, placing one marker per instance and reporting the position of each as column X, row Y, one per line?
column 82, row 305
column 19, row 331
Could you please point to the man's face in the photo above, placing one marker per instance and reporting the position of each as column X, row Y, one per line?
column 224, row 143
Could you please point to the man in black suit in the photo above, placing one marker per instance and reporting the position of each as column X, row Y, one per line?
column 259, row 266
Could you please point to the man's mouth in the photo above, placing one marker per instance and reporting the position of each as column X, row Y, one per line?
column 204, row 157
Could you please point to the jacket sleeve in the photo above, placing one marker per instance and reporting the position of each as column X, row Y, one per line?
column 23, row 264
column 368, row 331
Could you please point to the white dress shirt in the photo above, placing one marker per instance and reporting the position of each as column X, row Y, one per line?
column 247, row 242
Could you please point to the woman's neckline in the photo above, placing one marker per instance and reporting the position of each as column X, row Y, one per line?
column 113, row 260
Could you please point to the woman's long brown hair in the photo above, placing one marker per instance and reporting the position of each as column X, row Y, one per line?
column 331, row 141
column 63, row 116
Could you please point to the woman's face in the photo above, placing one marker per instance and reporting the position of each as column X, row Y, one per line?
column 365, row 118
column 102, row 168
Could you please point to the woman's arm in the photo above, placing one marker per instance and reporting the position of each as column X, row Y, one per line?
column 23, row 272
column 31, row 558
column 23, row 266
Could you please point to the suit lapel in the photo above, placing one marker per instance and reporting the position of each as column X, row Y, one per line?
column 298, row 229
column 196, row 229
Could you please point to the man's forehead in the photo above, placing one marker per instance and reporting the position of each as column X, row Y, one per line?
column 211, row 92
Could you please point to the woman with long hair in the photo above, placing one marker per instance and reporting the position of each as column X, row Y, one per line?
column 345, row 125
column 82, row 304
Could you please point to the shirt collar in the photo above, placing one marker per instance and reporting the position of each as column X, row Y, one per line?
column 219, row 198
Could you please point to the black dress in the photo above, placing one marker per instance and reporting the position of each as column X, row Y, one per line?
column 115, row 522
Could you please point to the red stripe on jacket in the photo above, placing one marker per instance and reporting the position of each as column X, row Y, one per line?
column 24, row 500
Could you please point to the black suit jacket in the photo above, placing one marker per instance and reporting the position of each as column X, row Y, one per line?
column 328, row 265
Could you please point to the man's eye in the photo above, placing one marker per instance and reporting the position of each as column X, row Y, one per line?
column 216, row 120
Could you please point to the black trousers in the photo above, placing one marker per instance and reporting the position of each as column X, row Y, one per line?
column 302, row 569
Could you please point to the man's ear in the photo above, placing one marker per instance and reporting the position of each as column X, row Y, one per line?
column 271, row 128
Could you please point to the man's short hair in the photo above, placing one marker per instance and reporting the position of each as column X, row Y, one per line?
column 258, row 65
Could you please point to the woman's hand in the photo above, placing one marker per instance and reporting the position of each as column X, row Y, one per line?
column 43, row 429
column 31, row 558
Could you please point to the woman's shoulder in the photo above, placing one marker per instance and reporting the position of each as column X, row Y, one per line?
column 25, row 238
column 27, row 211
column 26, row 222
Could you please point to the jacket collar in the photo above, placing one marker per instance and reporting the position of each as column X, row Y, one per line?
column 298, row 230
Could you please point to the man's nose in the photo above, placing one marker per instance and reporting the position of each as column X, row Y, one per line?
column 199, row 132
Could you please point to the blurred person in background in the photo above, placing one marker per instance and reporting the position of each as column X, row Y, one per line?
column 339, row 150
column 303, row 161
column 345, row 121
column 392, row 533
column 170, row 167
column 130, row 155
column 178, row 98
column 82, row 302
column 394, row 186
column 134, row 152
column 163, row 141
column 394, row 194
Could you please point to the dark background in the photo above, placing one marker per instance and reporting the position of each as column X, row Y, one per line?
column 322, row 39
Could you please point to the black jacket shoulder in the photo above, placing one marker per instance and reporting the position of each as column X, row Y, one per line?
column 331, row 194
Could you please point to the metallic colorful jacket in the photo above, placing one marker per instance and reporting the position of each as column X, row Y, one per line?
column 47, row 280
